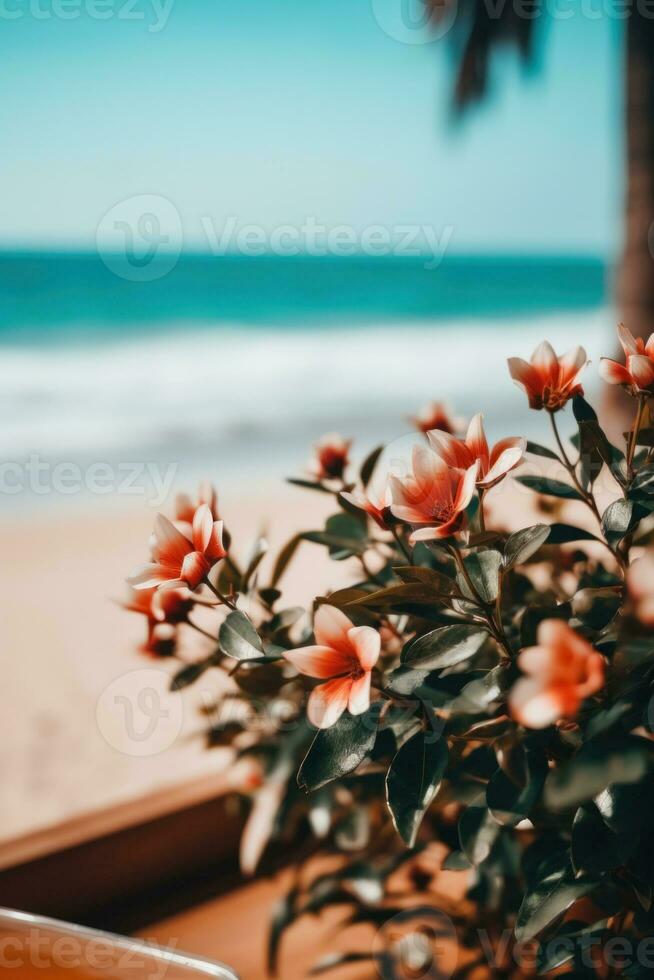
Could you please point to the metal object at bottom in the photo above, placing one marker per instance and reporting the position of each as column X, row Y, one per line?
column 32, row 946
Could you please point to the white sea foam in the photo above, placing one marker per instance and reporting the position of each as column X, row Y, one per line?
column 257, row 390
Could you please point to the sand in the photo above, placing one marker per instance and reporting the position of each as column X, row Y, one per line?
column 69, row 658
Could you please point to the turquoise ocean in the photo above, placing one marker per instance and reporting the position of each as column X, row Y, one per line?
column 249, row 359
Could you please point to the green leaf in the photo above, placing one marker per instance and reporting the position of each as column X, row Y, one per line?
column 479, row 694
column 284, row 558
column 510, row 803
column 339, row 750
column 406, row 682
column 597, row 607
column 412, row 782
column 260, row 551
column 345, row 535
column 283, row 914
column 619, row 519
column 427, row 576
column 548, row 899
column 484, row 571
column 308, row 484
column 566, row 533
column 582, row 411
column 523, row 544
column 396, row 597
column 536, row 450
column 239, row 639
column 599, row 763
column 368, row 465
column 550, row 487
column 478, row 831
column 595, row 848
column 444, row 647
column 189, row 674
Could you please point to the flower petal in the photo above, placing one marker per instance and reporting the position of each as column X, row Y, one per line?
column 466, row 488
column 627, row 340
column 476, row 438
column 195, row 568
column 215, row 549
column 172, row 546
column 330, row 627
column 641, row 370
column 149, row 575
column 359, row 700
column 367, row 644
column 451, row 450
column 614, row 373
column 535, row 706
column 320, row 661
column 202, row 527
column 327, row 702
column 508, row 458
column 544, row 359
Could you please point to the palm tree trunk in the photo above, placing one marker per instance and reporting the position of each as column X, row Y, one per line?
column 636, row 283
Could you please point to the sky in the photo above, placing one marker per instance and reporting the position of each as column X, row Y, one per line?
column 269, row 111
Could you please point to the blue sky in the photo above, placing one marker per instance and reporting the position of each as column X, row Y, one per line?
column 272, row 110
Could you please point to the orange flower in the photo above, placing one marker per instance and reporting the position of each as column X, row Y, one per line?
column 548, row 380
column 434, row 494
column 331, row 457
column 640, row 582
column 185, row 508
column 344, row 653
column 436, row 415
column 180, row 561
column 161, row 605
column 494, row 464
column 637, row 373
column 377, row 506
column 161, row 641
column 562, row 671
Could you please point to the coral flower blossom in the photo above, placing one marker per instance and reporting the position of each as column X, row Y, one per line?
column 434, row 494
column 494, row 464
column 436, row 415
column 548, row 380
column 640, row 583
column 161, row 605
column 562, row 671
column 181, row 561
column 185, row 508
column 376, row 505
column 161, row 641
column 637, row 373
column 332, row 454
column 346, row 655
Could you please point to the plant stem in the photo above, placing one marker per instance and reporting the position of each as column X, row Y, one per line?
column 482, row 518
column 219, row 595
column 588, row 496
column 200, row 630
column 402, row 546
column 633, row 439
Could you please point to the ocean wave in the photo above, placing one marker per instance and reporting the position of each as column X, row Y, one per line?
column 229, row 386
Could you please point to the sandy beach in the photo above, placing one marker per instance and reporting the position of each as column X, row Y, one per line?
column 71, row 653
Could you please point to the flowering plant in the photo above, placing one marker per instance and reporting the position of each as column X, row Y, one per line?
column 475, row 701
